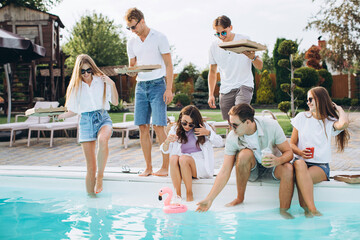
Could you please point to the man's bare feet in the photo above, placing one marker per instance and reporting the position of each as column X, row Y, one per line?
column 235, row 202
column 146, row 173
column 285, row 214
column 98, row 185
column 161, row 173
column 189, row 197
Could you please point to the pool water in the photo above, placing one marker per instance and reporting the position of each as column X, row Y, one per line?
column 52, row 214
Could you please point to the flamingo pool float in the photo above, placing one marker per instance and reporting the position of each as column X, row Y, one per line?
column 171, row 208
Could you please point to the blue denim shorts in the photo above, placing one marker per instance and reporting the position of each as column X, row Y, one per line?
column 91, row 123
column 324, row 166
column 259, row 171
column 149, row 101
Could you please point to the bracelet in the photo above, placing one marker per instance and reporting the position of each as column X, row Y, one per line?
column 254, row 58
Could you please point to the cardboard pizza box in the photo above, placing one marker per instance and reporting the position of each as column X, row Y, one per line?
column 242, row 45
column 136, row 69
column 45, row 111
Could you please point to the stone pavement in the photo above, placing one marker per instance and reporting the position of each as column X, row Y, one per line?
column 66, row 152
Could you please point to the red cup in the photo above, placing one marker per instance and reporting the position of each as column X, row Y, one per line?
column 311, row 150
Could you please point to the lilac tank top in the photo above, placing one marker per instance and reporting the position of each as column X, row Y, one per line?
column 190, row 146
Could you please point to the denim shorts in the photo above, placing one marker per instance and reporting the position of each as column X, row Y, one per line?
column 324, row 166
column 259, row 171
column 149, row 101
column 91, row 123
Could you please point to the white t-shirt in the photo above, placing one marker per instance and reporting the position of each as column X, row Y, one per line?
column 234, row 68
column 149, row 53
column 89, row 98
column 311, row 133
column 253, row 143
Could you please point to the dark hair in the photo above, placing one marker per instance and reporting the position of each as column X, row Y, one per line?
column 195, row 115
column 244, row 111
column 133, row 13
column 223, row 21
column 325, row 109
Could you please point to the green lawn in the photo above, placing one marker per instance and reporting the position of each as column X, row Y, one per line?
column 212, row 114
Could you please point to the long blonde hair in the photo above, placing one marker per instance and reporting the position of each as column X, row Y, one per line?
column 76, row 78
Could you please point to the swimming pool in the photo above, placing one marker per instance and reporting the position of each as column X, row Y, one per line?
column 58, row 208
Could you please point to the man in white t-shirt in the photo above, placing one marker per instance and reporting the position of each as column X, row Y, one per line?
column 237, row 81
column 243, row 149
column 153, row 89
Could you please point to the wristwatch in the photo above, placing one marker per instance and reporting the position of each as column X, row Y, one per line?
column 254, row 58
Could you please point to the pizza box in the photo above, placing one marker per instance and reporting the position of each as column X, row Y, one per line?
column 242, row 45
column 136, row 69
column 38, row 112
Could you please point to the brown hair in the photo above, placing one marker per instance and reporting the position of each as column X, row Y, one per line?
column 195, row 115
column 76, row 78
column 133, row 13
column 244, row 111
column 223, row 21
column 325, row 109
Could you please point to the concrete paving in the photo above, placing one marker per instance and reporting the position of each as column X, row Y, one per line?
column 66, row 153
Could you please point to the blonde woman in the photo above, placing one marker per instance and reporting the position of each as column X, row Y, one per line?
column 89, row 93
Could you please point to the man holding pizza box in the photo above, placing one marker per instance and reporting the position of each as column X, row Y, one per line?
column 153, row 89
column 237, row 81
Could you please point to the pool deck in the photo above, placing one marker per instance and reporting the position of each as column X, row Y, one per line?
column 65, row 159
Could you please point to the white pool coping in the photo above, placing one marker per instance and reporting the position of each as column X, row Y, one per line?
column 129, row 189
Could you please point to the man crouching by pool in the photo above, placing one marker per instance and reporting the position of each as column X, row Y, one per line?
column 243, row 149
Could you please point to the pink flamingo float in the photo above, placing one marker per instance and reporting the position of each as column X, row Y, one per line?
column 171, row 208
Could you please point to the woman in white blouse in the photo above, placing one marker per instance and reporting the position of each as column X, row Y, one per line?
column 311, row 142
column 89, row 93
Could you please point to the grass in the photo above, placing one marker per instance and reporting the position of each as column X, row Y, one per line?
column 212, row 114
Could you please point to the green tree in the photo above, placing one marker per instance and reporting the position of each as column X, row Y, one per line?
column 42, row 5
column 289, row 49
column 265, row 93
column 282, row 74
column 189, row 71
column 340, row 21
column 268, row 62
column 97, row 36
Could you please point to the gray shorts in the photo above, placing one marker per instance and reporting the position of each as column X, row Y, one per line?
column 259, row 171
column 243, row 94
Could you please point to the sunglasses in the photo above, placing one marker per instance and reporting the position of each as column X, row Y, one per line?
column 310, row 99
column 89, row 70
column 184, row 124
column 235, row 125
column 133, row 27
column 223, row 33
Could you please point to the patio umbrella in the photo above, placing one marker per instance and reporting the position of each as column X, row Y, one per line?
column 14, row 48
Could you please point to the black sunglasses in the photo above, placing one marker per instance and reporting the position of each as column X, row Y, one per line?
column 184, row 124
column 83, row 71
column 223, row 33
column 133, row 27
column 235, row 125
column 310, row 99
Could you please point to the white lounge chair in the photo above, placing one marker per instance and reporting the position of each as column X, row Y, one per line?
column 69, row 123
column 125, row 128
column 16, row 126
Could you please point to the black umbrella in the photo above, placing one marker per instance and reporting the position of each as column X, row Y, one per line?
column 14, row 48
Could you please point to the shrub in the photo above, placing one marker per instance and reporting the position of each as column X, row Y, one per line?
column 119, row 108
column 205, row 74
column 284, row 106
column 326, row 79
column 62, row 101
column 201, row 95
column 309, row 77
column 182, row 87
column 265, row 93
column 354, row 102
column 181, row 99
column 282, row 74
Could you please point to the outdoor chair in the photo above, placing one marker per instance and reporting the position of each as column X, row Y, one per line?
column 17, row 126
column 125, row 127
column 68, row 123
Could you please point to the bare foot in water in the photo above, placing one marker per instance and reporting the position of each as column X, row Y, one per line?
column 285, row 214
column 146, row 173
column 235, row 202
column 98, row 185
column 189, row 197
column 161, row 173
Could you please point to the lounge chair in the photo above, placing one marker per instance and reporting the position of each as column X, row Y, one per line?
column 16, row 126
column 125, row 128
column 68, row 123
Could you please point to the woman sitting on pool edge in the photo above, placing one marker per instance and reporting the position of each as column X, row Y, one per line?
column 190, row 144
column 89, row 93
column 313, row 130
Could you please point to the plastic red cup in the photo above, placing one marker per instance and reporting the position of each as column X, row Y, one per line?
column 311, row 150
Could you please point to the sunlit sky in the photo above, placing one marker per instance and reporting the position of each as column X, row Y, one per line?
column 188, row 23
